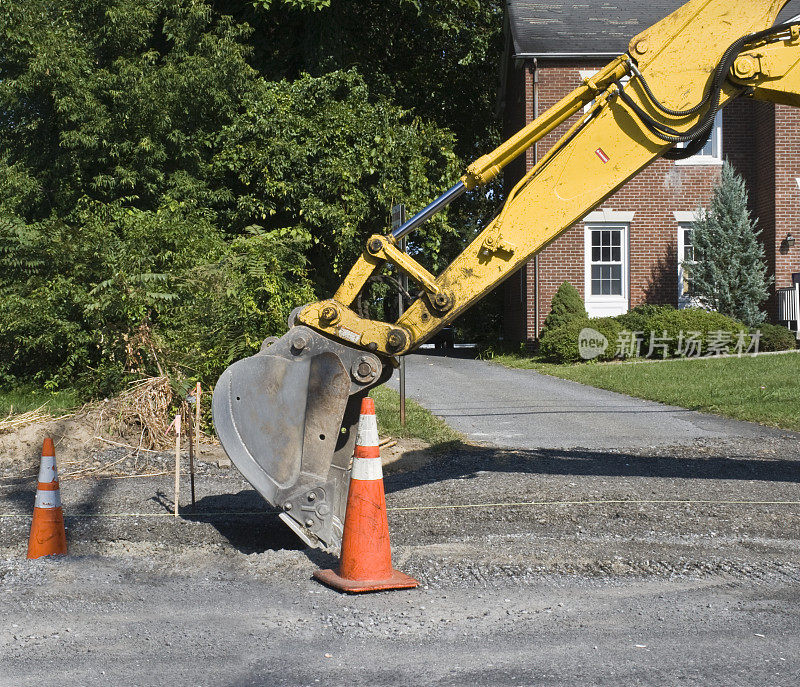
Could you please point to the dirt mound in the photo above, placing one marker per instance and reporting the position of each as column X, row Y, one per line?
column 130, row 434
column 136, row 420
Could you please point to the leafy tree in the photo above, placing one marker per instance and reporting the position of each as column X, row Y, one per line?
column 164, row 204
column 729, row 273
column 439, row 58
column 567, row 305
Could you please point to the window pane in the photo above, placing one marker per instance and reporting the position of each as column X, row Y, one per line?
column 688, row 241
column 616, row 255
column 596, row 238
column 615, row 273
column 595, row 254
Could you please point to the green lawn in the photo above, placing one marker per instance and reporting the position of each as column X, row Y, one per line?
column 764, row 389
column 420, row 423
column 23, row 400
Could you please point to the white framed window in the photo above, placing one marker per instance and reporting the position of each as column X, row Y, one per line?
column 686, row 259
column 686, row 256
column 711, row 154
column 606, row 265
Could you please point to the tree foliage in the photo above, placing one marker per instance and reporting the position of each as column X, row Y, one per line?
column 170, row 188
column 567, row 305
column 729, row 273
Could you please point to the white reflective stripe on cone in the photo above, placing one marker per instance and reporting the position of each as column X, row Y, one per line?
column 47, row 470
column 47, row 499
column 366, row 469
column 367, row 431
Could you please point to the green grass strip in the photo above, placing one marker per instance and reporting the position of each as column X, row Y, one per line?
column 420, row 423
column 763, row 389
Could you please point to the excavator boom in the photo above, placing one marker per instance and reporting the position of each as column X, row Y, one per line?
column 286, row 416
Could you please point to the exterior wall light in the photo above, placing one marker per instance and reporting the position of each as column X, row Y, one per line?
column 790, row 240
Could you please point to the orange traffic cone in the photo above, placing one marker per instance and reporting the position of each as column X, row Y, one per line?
column 47, row 529
column 365, row 564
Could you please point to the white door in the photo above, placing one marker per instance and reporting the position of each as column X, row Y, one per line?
column 606, row 260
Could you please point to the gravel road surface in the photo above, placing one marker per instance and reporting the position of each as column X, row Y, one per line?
column 655, row 566
column 492, row 404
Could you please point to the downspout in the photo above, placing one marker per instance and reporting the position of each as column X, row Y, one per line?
column 535, row 160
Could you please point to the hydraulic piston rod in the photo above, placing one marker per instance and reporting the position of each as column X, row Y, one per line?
column 441, row 202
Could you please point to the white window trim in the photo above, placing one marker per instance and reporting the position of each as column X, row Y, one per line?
column 798, row 182
column 683, row 300
column 605, row 306
column 610, row 216
column 686, row 216
column 716, row 157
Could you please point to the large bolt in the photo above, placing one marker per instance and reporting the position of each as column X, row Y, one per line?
column 299, row 343
column 745, row 67
column 287, row 506
column 375, row 246
column 396, row 340
column 364, row 369
column 329, row 313
column 312, row 496
column 309, row 523
column 641, row 47
column 442, row 302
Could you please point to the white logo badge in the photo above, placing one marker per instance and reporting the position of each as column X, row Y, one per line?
column 591, row 343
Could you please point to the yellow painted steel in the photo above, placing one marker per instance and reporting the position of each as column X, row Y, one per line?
column 597, row 155
column 772, row 70
column 486, row 168
column 363, row 269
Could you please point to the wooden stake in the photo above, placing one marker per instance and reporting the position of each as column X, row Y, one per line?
column 177, row 461
column 191, row 448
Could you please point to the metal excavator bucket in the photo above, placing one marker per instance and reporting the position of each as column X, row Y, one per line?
column 287, row 418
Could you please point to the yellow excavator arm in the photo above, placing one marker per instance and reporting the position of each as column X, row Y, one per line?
column 286, row 416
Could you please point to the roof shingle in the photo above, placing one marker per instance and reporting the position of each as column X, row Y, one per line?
column 589, row 26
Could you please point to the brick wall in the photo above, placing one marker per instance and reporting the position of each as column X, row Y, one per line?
column 773, row 132
column 787, row 194
column 654, row 195
column 762, row 181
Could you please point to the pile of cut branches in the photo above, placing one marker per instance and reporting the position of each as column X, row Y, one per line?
column 143, row 408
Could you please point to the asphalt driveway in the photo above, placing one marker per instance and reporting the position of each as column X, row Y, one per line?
column 523, row 409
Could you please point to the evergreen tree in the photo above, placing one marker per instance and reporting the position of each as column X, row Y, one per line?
column 567, row 306
column 729, row 273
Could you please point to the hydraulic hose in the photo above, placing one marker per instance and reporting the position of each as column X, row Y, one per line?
column 698, row 134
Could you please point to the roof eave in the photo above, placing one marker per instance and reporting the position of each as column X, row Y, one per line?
column 565, row 55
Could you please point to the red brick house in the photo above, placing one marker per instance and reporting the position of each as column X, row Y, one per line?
column 628, row 251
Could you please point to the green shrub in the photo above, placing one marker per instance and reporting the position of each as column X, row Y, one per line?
column 638, row 319
column 567, row 305
column 776, row 338
column 693, row 332
column 561, row 344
